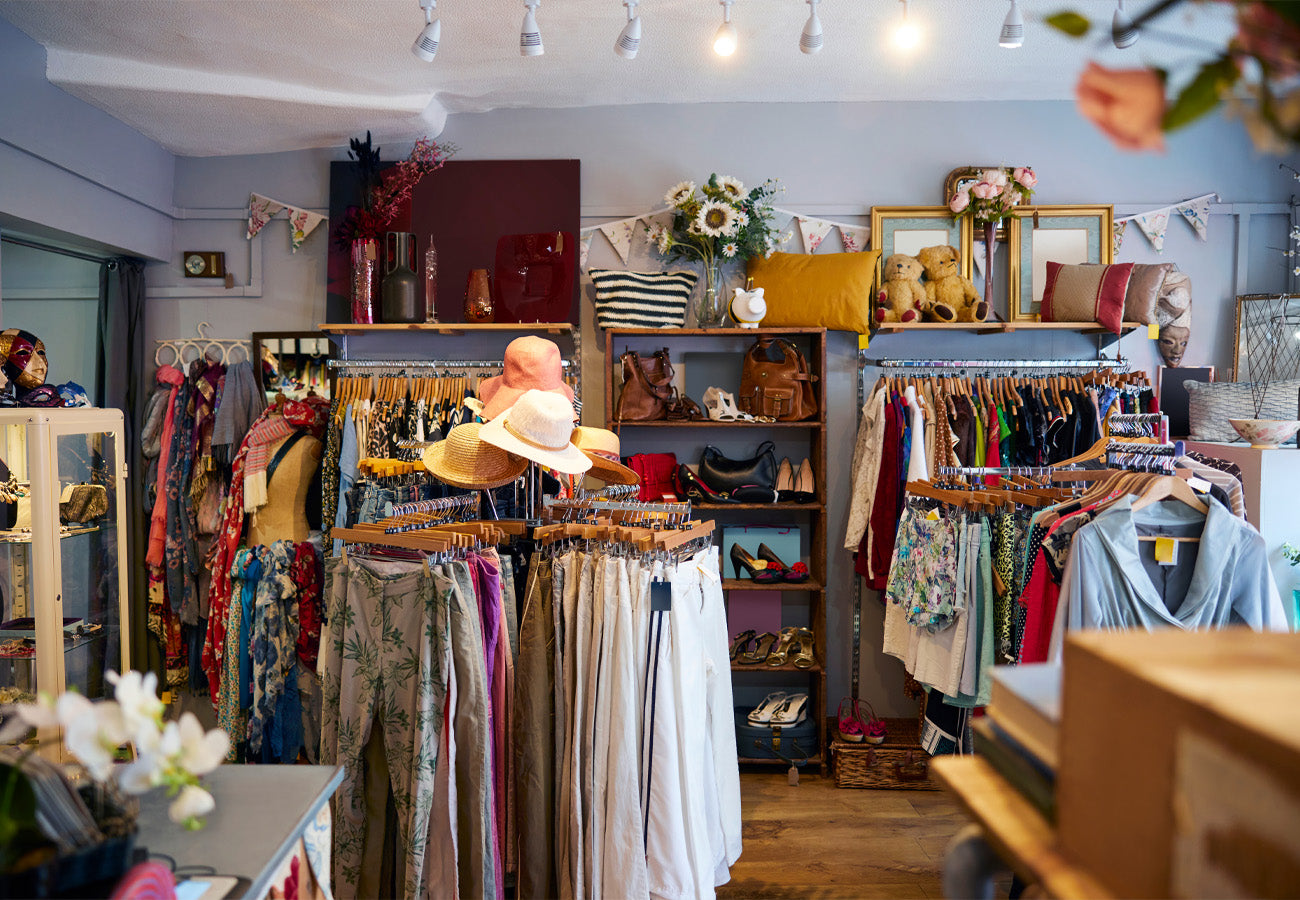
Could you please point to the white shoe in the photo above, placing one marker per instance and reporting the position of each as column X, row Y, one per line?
column 721, row 406
column 793, row 711
column 762, row 714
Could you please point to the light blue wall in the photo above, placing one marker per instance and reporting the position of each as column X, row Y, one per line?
column 56, row 298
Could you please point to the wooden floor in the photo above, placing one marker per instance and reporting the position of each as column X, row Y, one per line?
column 815, row 840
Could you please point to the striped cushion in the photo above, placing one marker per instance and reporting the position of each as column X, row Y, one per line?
column 1086, row 294
column 641, row 299
column 1211, row 405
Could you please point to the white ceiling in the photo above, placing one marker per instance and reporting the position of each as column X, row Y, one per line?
column 216, row 77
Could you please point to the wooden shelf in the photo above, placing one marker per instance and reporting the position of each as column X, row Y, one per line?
column 785, row 667
column 744, row 584
column 449, row 328
column 773, row 507
column 817, row 759
column 1003, row 327
column 716, row 332
column 709, row 423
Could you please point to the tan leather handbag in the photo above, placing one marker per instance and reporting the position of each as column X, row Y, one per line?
column 775, row 381
column 647, row 387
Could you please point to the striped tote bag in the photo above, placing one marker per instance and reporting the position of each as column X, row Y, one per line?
column 642, row 299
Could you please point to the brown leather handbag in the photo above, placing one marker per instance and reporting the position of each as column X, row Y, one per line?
column 775, row 381
column 647, row 387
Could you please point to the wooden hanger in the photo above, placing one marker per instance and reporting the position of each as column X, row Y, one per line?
column 1170, row 487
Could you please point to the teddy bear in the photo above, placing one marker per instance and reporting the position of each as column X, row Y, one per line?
column 902, row 296
column 950, row 297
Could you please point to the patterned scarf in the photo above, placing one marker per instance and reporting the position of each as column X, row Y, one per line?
column 172, row 378
column 208, row 386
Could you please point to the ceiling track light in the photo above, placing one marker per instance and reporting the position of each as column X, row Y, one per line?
column 629, row 39
column 1122, row 32
column 530, row 38
column 1013, row 29
column 426, row 43
column 725, row 38
column 906, row 35
column 810, row 41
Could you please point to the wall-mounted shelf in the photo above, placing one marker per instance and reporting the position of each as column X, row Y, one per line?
column 710, row 423
column 449, row 328
column 1004, row 327
column 744, row 584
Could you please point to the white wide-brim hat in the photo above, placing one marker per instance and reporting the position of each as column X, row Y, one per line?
column 538, row 427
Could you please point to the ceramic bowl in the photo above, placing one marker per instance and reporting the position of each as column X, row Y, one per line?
column 1265, row 434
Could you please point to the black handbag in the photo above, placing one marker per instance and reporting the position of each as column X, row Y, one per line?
column 727, row 475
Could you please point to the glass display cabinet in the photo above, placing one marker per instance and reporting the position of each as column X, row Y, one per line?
column 63, row 543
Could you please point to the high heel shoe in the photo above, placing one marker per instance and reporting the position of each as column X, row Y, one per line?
column 873, row 727
column 805, row 487
column 740, row 642
column 781, row 652
column 784, row 481
column 721, row 406
column 796, row 574
column 805, row 653
column 759, row 573
column 762, row 647
column 691, row 486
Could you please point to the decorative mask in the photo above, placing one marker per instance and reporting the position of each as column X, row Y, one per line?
column 1173, row 344
column 1174, row 314
column 23, row 356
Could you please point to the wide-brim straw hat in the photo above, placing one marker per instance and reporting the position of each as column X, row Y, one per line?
column 531, row 363
column 602, row 448
column 464, row 460
column 538, row 427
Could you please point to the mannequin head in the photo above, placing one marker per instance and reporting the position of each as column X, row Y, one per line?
column 23, row 355
column 1173, row 344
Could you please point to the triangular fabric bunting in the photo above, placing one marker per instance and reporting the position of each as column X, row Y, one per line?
column 854, row 239
column 1197, row 214
column 584, row 247
column 1117, row 235
column 620, row 236
column 302, row 222
column 814, row 231
column 1154, row 225
column 260, row 211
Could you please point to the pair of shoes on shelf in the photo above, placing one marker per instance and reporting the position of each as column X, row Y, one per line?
column 795, row 486
column 767, row 568
column 692, row 487
column 780, row 708
column 721, row 407
column 794, row 646
column 853, row 726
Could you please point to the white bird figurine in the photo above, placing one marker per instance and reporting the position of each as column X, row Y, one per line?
column 748, row 307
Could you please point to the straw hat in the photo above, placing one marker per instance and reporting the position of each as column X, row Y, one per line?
column 602, row 448
column 463, row 460
column 531, row 363
column 538, row 427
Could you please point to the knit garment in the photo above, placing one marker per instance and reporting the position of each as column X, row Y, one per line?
column 242, row 403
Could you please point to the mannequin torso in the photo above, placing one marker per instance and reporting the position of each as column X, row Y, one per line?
column 284, row 516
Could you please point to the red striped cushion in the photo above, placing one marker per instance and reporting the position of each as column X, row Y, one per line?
column 1086, row 294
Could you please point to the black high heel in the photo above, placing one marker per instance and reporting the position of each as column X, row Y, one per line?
column 758, row 570
column 740, row 643
column 690, row 486
column 796, row 574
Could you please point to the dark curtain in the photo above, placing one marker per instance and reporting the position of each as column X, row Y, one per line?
column 119, row 364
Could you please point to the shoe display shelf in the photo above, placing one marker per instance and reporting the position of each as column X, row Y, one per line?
column 719, row 353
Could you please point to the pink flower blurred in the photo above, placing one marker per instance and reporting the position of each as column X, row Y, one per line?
column 959, row 201
column 1025, row 177
column 985, row 191
column 995, row 177
column 1270, row 37
column 1126, row 104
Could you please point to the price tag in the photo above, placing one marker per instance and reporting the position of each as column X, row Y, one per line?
column 1166, row 551
column 661, row 596
column 862, row 341
column 933, row 516
column 1153, row 331
column 1200, row 485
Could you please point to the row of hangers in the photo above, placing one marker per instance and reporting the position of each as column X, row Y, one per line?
column 432, row 389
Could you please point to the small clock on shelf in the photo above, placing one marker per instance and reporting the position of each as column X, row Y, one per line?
column 204, row 264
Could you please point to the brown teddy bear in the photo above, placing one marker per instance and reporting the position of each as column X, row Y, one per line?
column 950, row 297
column 902, row 296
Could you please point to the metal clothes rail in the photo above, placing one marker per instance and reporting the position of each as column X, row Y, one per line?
column 552, row 502
column 1050, row 364
column 363, row 364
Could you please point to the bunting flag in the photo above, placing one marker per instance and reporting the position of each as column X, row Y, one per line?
column 619, row 235
column 1117, row 235
column 260, row 211
column 302, row 222
column 1197, row 214
column 855, row 239
column 584, row 247
column 1154, row 224
column 814, row 231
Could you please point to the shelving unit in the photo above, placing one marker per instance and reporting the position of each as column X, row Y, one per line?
column 1004, row 327
column 811, row 433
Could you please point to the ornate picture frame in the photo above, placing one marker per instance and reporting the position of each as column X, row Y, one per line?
column 1264, row 343
column 964, row 177
column 1067, row 234
column 906, row 229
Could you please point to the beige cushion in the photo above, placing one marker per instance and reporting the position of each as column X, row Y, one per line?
column 1143, row 291
column 1211, row 405
column 1082, row 293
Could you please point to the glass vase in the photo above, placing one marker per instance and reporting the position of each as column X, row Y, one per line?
column 364, row 255
column 478, row 297
column 709, row 309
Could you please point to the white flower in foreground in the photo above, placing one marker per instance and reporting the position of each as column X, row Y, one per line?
column 142, row 775
column 137, row 695
column 731, row 187
column 191, row 803
column 716, row 219
column 680, row 193
column 93, row 733
column 201, row 752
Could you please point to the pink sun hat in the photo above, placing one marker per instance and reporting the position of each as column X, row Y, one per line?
column 531, row 363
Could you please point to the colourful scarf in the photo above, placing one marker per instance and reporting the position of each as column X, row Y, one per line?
column 173, row 379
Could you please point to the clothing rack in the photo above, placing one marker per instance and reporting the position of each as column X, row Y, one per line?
column 549, row 501
column 440, row 504
column 200, row 345
column 1136, row 425
column 364, row 364
column 1027, row 471
column 1049, row 364
column 1143, row 457
column 608, row 492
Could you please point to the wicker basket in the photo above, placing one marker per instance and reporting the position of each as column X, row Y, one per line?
column 897, row 764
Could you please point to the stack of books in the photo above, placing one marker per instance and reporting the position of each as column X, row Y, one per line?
column 1019, row 736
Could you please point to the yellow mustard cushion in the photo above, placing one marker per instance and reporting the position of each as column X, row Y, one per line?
column 829, row 289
